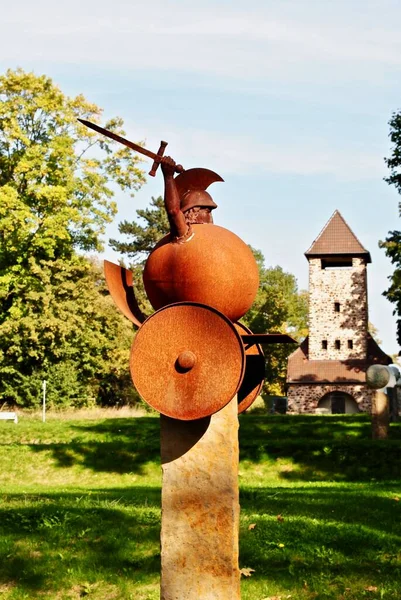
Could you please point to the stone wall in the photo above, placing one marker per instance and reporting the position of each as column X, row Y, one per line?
column 348, row 325
column 304, row 398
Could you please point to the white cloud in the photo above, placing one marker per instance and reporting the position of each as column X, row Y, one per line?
column 175, row 36
column 227, row 153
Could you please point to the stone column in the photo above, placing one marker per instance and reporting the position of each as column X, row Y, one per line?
column 377, row 378
column 380, row 415
column 200, row 507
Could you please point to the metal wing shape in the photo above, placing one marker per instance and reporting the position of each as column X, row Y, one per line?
column 120, row 283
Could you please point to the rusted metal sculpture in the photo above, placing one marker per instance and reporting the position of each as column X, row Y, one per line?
column 195, row 363
column 198, row 262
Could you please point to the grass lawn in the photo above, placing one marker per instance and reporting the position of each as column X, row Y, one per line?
column 80, row 509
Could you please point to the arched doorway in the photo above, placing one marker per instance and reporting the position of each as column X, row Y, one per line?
column 338, row 403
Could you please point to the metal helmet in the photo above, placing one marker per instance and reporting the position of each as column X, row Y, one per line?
column 191, row 187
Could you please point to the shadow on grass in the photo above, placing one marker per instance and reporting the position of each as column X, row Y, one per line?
column 319, row 447
column 358, row 506
column 327, row 536
column 319, row 427
column 52, row 541
column 323, row 536
column 322, row 448
column 117, row 445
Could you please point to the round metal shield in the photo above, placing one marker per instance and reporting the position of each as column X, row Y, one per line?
column 187, row 361
column 254, row 376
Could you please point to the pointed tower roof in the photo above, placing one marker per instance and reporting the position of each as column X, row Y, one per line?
column 337, row 239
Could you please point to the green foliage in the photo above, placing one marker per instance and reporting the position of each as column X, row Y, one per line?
column 392, row 244
column 55, row 199
column 278, row 307
column 144, row 236
column 374, row 332
column 394, row 161
column 392, row 248
column 63, row 387
column 55, row 194
column 63, row 327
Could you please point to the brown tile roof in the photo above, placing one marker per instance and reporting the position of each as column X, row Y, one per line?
column 336, row 238
column 302, row 370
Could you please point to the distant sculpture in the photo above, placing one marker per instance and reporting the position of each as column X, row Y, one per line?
column 383, row 380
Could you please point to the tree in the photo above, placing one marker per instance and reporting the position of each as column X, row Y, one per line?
column 142, row 238
column 56, row 197
column 279, row 306
column 65, row 329
column 374, row 332
column 392, row 244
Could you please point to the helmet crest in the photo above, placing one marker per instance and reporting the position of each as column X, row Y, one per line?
column 191, row 186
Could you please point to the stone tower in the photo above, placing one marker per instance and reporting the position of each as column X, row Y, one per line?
column 338, row 306
column 327, row 372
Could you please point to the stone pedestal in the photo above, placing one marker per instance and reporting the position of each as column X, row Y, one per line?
column 380, row 415
column 200, row 507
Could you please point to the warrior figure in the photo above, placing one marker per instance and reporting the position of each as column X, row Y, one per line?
column 186, row 200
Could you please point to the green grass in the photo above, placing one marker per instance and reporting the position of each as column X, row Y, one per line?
column 80, row 509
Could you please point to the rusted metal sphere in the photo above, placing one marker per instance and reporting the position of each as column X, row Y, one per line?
column 187, row 361
column 215, row 267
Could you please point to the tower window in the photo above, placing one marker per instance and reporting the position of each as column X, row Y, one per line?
column 337, row 344
column 350, row 344
column 324, row 344
column 333, row 262
column 337, row 306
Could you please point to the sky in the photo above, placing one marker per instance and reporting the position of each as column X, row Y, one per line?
column 288, row 101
